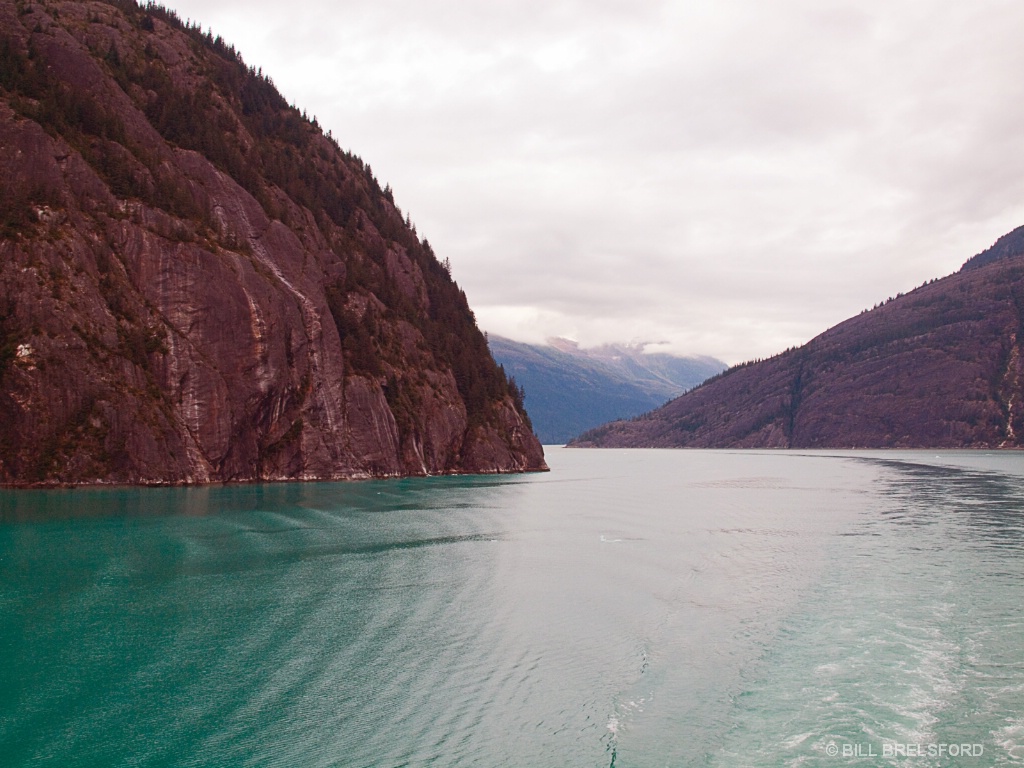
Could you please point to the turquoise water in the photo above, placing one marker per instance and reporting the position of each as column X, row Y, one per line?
column 629, row 608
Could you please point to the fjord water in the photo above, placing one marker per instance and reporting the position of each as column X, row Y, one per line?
column 629, row 608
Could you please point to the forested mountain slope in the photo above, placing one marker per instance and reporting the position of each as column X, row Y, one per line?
column 197, row 284
column 941, row 366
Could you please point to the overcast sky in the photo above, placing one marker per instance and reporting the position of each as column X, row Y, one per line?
column 725, row 177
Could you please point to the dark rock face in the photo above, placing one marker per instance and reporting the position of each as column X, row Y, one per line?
column 197, row 285
column 941, row 367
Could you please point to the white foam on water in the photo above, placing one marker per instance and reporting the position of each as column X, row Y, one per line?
column 795, row 741
column 1011, row 739
column 796, row 762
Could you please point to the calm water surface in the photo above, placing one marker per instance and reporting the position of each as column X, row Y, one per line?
column 629, row 608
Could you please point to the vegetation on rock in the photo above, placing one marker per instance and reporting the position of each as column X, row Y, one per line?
column 226, row 293
column 939, row 367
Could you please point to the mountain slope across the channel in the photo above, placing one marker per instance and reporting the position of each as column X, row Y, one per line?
column 942, row 366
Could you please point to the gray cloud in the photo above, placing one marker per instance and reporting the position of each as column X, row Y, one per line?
column 729, row 177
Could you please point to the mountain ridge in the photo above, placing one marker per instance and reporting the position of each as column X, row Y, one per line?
column 1006, row 247
column 198, row 285
column 939, row 367
column 569, row 388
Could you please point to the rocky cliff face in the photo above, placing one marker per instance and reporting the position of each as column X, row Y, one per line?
column 941, row 367
column 197, row 285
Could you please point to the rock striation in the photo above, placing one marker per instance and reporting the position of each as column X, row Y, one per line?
column 939, row 367
column 198, row 285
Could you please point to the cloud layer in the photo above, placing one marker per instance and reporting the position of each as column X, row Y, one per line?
column 729, row 177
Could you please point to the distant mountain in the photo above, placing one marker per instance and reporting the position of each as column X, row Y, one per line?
column 942, row 366
column 198, row 285
column 570, row 389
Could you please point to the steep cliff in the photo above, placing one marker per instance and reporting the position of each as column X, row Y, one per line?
column 197, row 284
column 942, row 366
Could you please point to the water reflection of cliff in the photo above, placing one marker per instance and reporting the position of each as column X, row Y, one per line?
column 984, row 504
